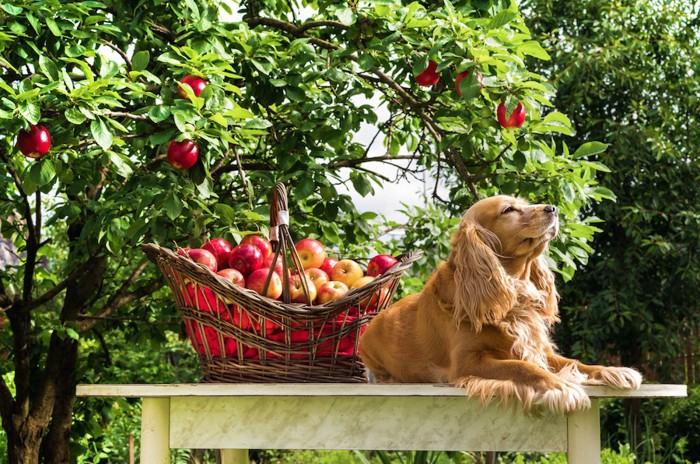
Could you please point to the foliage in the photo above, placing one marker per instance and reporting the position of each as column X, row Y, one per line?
column 627, row 73
column 290, row 84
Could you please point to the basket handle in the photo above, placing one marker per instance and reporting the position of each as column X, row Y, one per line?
column 282, row 242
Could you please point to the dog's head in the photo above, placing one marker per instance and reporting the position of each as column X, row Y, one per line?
column 500, row 241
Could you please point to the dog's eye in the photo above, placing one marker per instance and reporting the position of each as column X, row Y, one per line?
column 508, row 209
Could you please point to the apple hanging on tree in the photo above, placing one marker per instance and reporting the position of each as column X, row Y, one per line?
column 429, row 77
column 462, row 75
column 35, row 142
column 183, row 155
column 197, row 84
column 516, row 118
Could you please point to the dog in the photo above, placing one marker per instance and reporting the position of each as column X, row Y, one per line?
column 483, row 320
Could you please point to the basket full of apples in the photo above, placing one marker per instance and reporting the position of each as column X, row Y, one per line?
column 272, row 310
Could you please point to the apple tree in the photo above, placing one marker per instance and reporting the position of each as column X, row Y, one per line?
column 288, row 86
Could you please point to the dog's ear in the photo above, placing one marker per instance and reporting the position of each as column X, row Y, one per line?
column 484, row 292
column 543, row 279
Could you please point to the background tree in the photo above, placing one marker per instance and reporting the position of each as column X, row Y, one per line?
column 628, row 73
column 289, row 84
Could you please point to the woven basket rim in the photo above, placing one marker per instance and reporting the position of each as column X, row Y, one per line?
column 204, row 276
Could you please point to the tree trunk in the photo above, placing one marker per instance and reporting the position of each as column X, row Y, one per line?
column 23, row 442
column 55, row 448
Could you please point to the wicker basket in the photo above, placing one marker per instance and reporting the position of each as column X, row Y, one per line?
column 241, row 336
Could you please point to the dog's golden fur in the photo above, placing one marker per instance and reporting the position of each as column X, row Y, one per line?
column 483, row 320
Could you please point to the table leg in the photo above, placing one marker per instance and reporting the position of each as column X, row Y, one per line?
column 583, row 433
column 234, row 456
column 155, row 430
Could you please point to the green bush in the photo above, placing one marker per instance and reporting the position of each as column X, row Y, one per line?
column 680, row 420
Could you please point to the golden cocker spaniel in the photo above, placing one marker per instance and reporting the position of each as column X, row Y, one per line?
column 483, row 320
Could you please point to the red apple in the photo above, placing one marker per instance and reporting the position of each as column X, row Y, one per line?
column 428, row 77
column 183, row 155
column 279, row 266
column 317, row 276
column 197, row 84
column 220, row 248
column 259, row 241
column 328, row 264
column 516, row 118
column 204, row 257
column 375, row 299
column 346, row 271
column 462, row 75
column 233, row 275
column 379, row 264
column 331, row 291
column 296, row 289
column 311, row 252
column 203, row 298
column 245, row 259
column 34, row 143
column 256, row 281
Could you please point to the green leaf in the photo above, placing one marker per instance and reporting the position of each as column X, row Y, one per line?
column 533, row 48
column 11, row 9
column 346, row 16
column 225, row 212
column 29, row 111
column 172, row 206
column 121, row 164
column 590, row 148
column 140, row 60
column 304, row 188
column 48, row 67
column 53, row 27
column 219, row 119
column 159, row 113
column 101, row 133
column 362, row 185
column 72, row 333
column 43, row 172
column 74, row 115
column 502, row 18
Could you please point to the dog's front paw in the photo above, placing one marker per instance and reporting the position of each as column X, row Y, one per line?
column 617, row 377
column 567, row 398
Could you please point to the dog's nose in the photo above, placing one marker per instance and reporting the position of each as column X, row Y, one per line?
column 550, row 209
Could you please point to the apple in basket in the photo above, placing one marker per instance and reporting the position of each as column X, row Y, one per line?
column 379, row 264
column 220, row 248
column 234, row 276
column 296, row 289
column 311, row 252
column 346, row 271
column 279, row 266
column 331, row 291
column 317, row 276
column 371, row 302
column 245, row 259
column 328, row 264
column 201, row 256
column 259, row 241
column 256, row 282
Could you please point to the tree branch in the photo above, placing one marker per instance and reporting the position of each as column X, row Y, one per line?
column 123, row 297
column 119, row 51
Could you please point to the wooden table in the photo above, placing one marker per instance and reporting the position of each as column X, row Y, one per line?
column 238, row 417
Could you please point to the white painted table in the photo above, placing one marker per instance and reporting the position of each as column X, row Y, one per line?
column 238, row 417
